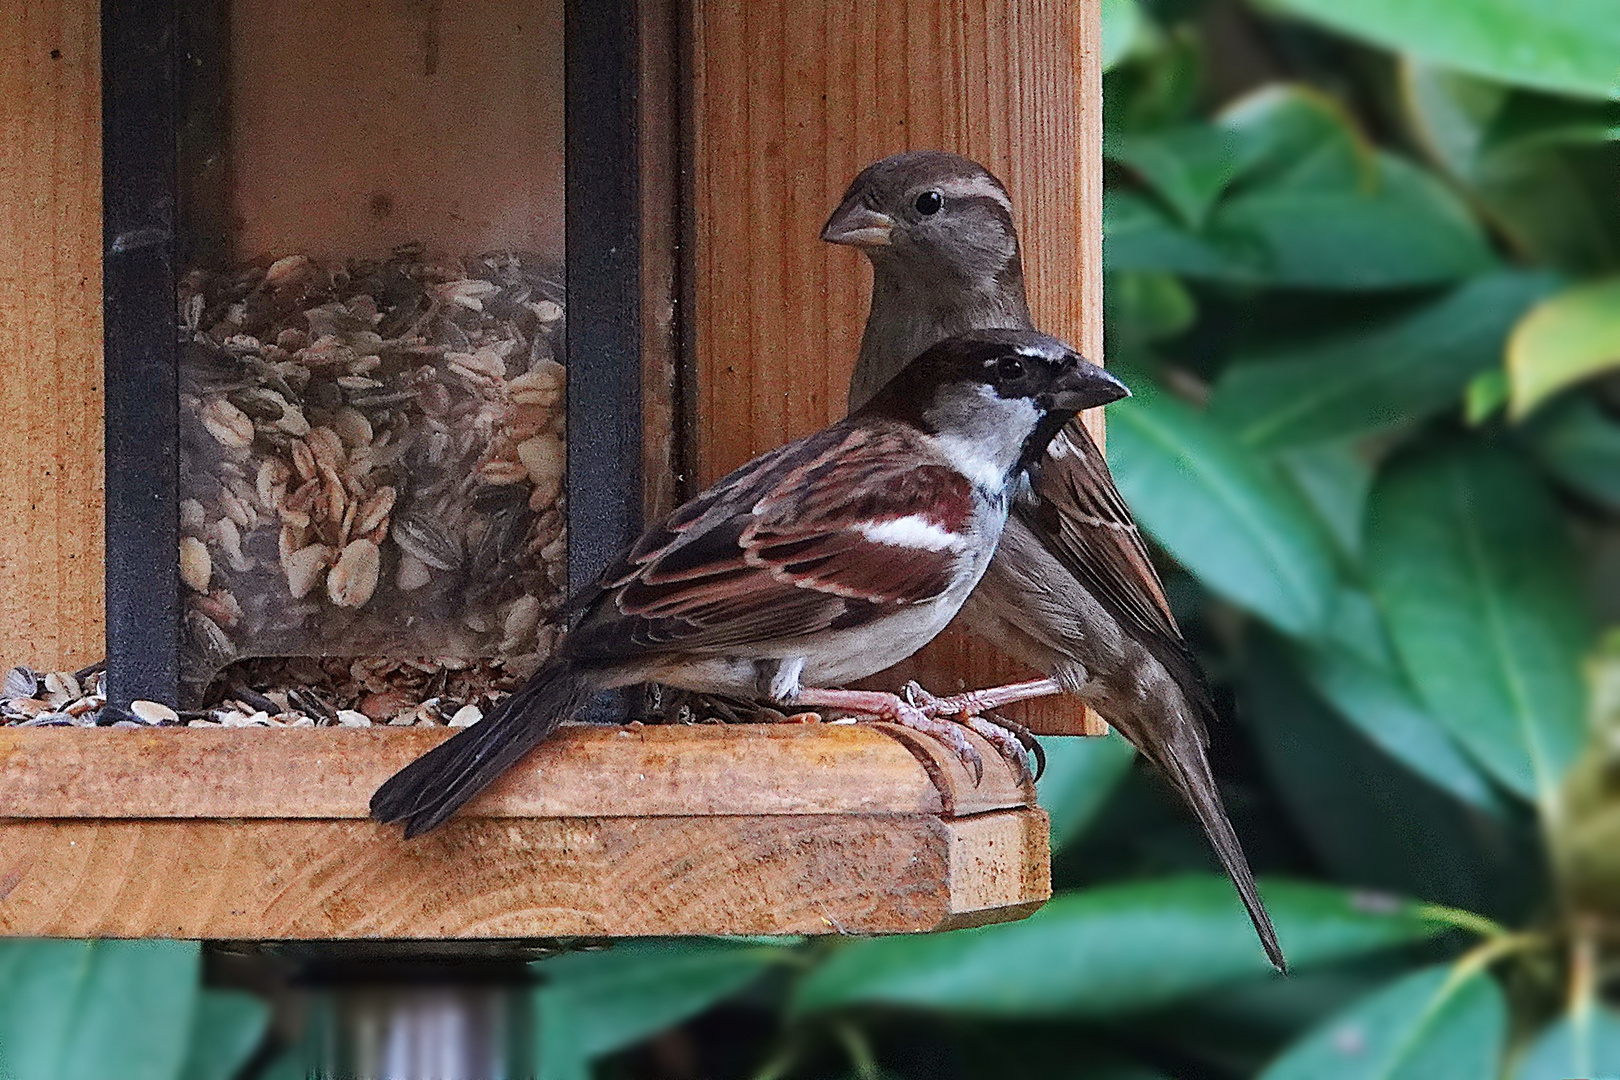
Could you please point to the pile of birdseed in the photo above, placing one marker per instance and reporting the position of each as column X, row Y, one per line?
column 372, row 459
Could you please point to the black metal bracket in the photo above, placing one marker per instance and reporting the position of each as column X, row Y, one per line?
column 138, row 196
column 603, row 256
column 603, row 266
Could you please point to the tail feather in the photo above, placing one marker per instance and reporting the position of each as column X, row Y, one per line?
column 1187, row 765
column 427, row 791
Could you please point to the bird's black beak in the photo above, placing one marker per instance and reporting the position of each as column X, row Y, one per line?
column 858, row 225
column 1084, row 386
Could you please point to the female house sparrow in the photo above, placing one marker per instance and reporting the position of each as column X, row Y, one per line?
column 1071, row 590
column 817, row 564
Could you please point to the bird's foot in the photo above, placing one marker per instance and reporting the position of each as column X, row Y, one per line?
column 1012, row 740
column 977, row 702
column 896, row 710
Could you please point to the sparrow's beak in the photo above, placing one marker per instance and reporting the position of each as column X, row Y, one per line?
column 859, row 226
column 1085, row 386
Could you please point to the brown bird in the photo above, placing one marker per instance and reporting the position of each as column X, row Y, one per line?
column 1071, row 590
column 814, row 565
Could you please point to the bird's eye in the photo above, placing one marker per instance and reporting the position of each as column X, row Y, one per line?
column 929, row 203
column 1009, row 368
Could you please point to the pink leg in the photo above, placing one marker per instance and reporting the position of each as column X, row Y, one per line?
column 890, row 707
column 977, row 701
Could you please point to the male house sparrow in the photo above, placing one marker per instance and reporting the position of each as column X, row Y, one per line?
column 1071, row 590
column 817, row 564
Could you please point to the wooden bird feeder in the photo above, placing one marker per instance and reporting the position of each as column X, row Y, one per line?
column 662, row 168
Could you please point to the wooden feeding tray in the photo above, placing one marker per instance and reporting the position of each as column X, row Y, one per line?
column 607, row 831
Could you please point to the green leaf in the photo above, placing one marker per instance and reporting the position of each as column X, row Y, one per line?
column 1537, row 195
column 1449, row 113
column 1290, row 136
column 1475, row 576
column 1187, row 166
column 594, row 1003
column 1147, row 307
column 1532, row 120
column 1110, row 950
column 1408, row 229
column 1392, row 373
column 1587, row 1046
column 230, row 1025
column 1316, row 205
column 1383, row 708
column 1484, row 396
column 1138, row 235
column 1121, row 22
column 1565, row 47
column 1353, row 802
column 1430, row 1025
column 1562, row 341
column 1161, row 85
column 1222, row 512
column 1579, row 444
column 1355, row 670
column 1080, row 775
column 1335, row 480
column 88, row 1010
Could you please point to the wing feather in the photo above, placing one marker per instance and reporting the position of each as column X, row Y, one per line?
column 1082, row 519
column 826, row 532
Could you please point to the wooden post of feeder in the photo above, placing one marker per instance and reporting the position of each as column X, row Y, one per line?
column 790, row 98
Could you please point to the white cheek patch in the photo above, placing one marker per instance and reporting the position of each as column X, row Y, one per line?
column 981, row 433
column 911, row 531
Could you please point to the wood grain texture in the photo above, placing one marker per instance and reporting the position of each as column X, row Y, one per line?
column 52, row 548
column 586, row 771
column 282, row 880
column 791, row 98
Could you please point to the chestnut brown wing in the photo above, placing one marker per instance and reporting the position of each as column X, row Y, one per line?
column 828, row 532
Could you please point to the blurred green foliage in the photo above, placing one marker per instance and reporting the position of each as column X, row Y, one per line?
column 92, row 1010
column 1364, row 273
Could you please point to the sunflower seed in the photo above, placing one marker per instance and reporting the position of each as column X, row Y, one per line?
column 354, row 578
column 153, row 712
column 196, row 566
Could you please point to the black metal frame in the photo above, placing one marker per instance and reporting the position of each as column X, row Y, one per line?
column 139, row 213
column 142, row 89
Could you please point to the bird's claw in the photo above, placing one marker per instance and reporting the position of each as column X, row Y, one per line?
column 1012, row 741
column 897, row 710
column 908, row 715
column 1026, row 738
column 1004, row 736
